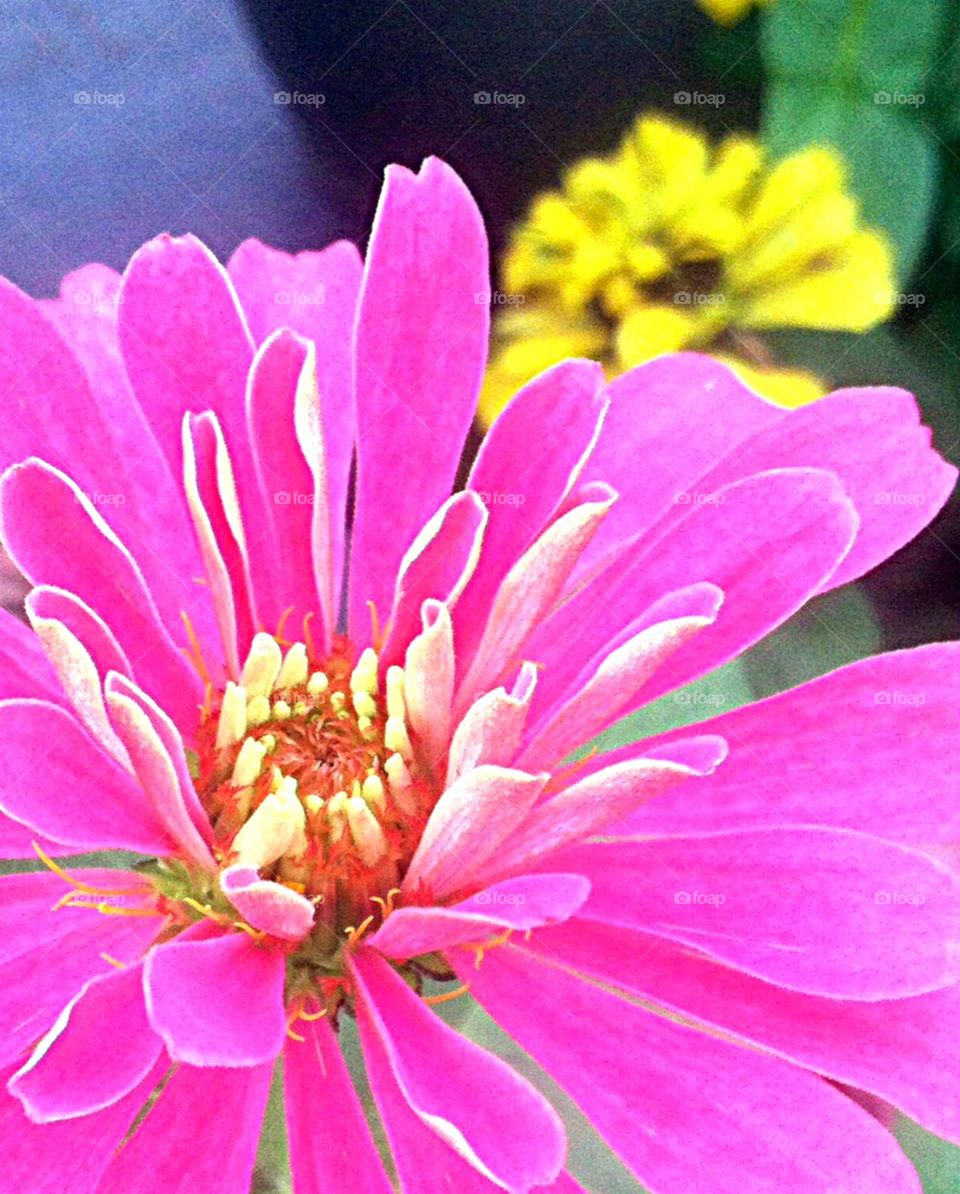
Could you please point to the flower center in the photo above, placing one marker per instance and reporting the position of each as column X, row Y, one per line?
column 310, row 777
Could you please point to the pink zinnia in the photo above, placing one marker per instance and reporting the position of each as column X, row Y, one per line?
column 698, row 936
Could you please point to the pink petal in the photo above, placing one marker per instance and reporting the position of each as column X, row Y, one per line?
column 906, row 1051
column 423, row 1161
column 872, row 438
column 266, row 905
column 700, row 599
column 98, row 437
column 469, row 822
column 430, row 671
column 601, row 801
column 523, row 903
column 526, row 466
column 873, row 746
column 37, row 982
column 25, row 670
column 27, row 919
column 58, row 782
column 261, row 275
column 281, row 381
column 608, row 685
column 68, row 1157
column 201, row 1134
column 158, row 761
column 212, row 499
column 826, row 911
column 528, row 593
column 83, row 650
column 436, row 567
column 488, row 1114
column 768, row 542
column 679, row 414
column 58, row 538
column 99, row 1050
column 184, row 341
column 420, row 352
column 330, row 1143
column 683, row 1109
column 217, row 1002
column 493, row 726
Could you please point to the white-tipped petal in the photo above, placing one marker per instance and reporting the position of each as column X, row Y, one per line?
column 249, row 762
column 232, row 725
column 367, row 834
column 275, row 828
column 262, row 667
column 294, row 669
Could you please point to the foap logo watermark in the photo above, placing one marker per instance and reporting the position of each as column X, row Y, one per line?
column 102, row 499
column 299, row 99
column 492, row 898
column 96, row 899
column 902, row 700
column 500, row 497
column 694, row 497
column 901, row 298
column 292, row 497
column 702, row 99
column 700, row 700
column 99, row 99
column 699, row 298
column 300, row 298
column 903, row 99
column 102, row 304
column 898, row 497
column 707, row 899
column 499, row 99
column 908, row 898
column 498, row 298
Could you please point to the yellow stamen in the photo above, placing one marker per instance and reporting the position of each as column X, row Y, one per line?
column 195, row 654
column 364, row 676
column 396, row 738
column 447, row 996
column 396, row 705
column 258, row 711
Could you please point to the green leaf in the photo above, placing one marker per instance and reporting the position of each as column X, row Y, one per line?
column 936, row 1161
column 726, row 688
column 830, row 632
column 852, row 74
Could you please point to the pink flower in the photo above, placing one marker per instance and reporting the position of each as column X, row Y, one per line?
column 690, row 934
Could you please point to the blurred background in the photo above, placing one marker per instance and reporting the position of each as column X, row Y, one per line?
column 250, row 118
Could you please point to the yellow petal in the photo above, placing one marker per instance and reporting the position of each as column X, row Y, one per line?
column 854, row 294
column 791, row 184
column 649, row 331
column 785, row 387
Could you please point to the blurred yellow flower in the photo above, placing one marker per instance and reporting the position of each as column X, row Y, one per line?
column 669, row 243
column 728, row 12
